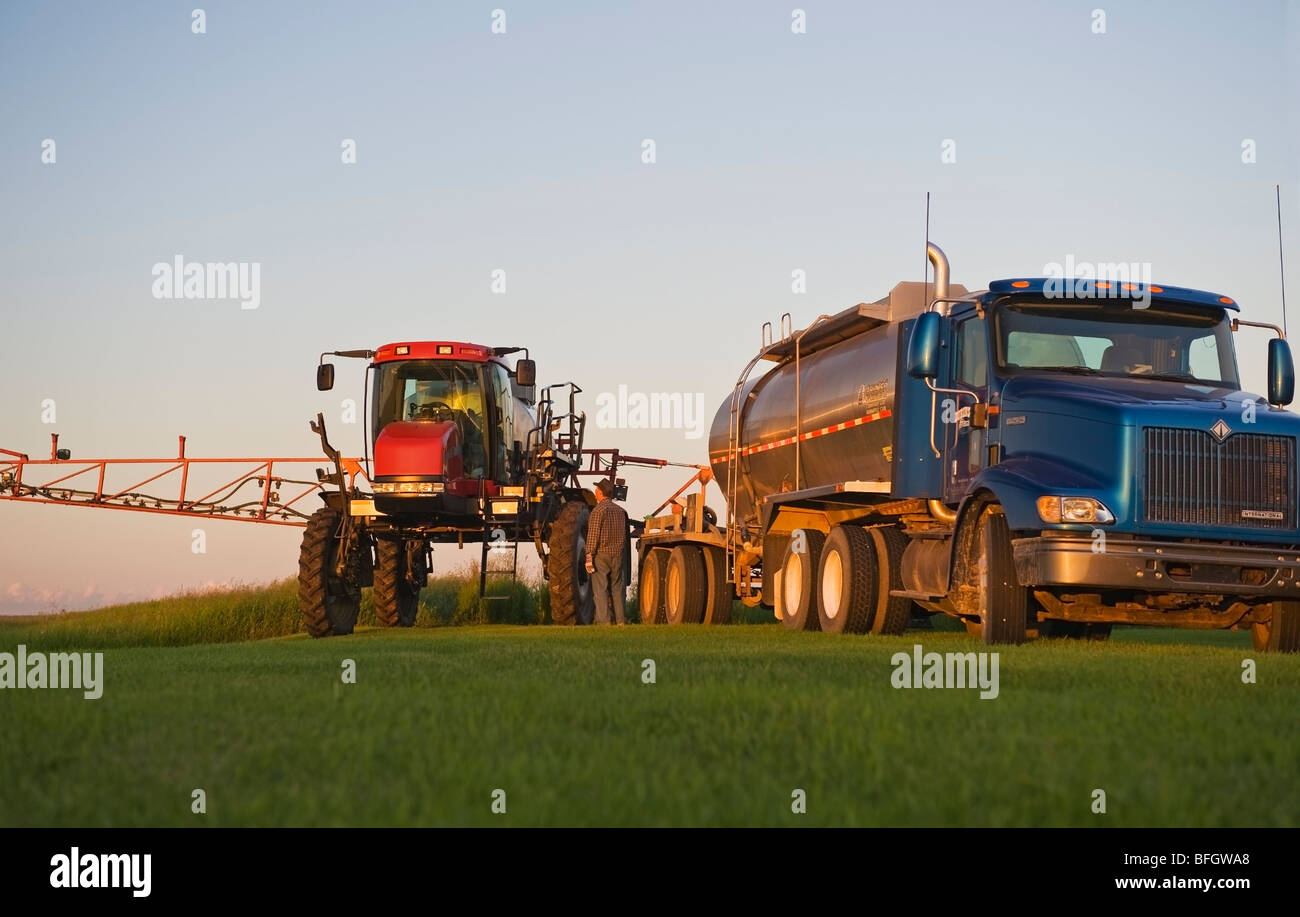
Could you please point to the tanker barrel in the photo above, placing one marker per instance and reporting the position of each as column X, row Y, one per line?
column 834, row 398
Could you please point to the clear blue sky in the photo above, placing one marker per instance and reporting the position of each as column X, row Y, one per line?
column 521, row 151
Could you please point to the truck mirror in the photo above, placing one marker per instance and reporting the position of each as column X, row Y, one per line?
column 526, row 373
column 324, row 377
column 1281, row 373
column 923, row 347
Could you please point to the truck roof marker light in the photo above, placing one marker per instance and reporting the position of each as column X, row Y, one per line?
column 1020, row 284
column 1128, row 287
column 1103, row 285
column 403, row 350
column 445, row 349
column 1157, row 289
column 1226, row 301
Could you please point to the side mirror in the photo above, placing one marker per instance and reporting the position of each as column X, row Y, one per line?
column 526, row 373
column 324, row 377
column 1281, row 373
column 923, row 346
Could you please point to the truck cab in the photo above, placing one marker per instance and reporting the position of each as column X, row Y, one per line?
column 1106, row 425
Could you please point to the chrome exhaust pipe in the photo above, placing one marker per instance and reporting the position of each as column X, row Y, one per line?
column 940, row 262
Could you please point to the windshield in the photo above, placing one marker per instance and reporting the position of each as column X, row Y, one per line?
column 1118, row 339
column 430, row 391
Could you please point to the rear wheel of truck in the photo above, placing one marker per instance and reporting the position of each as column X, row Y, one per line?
column 686, row 590
column 329, row 603
column 799, row 579
column 398, row 582
column 718, row 610
column 892, row 614
column 566, row 567
column 847, row 593
column 1281, row 632
column 650, row 586
column 1003, row 602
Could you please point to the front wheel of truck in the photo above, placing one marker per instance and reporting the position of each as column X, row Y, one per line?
column 1280, row 632
column 1003, row 603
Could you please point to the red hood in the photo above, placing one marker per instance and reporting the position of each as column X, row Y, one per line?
column 425, row 449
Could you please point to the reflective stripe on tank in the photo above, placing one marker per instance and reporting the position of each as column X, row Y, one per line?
column 791, row 440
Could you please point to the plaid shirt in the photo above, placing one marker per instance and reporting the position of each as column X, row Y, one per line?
column 607, row 529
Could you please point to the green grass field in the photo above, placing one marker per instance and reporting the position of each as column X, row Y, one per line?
column 199, row 692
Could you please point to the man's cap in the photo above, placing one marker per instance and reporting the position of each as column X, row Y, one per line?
column 605, row 487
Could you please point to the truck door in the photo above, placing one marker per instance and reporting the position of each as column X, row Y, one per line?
column 965, row 446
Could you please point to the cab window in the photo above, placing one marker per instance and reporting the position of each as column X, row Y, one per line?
column 503, row 420
column 972, row 353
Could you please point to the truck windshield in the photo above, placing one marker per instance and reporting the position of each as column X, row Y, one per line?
column 1117, row 339
column 430, row 391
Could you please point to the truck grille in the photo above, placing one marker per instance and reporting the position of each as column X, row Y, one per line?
column 1248, row 480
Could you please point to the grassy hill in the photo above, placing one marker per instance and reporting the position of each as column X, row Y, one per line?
column 219, row 692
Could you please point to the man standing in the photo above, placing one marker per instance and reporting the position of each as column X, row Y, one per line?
column 606, row 539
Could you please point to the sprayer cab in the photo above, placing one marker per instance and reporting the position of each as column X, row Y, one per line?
column 446, row 423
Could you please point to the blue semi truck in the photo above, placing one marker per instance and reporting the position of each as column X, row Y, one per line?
column 1043, row 457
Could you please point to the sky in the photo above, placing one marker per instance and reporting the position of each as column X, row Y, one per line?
column 1153, row 135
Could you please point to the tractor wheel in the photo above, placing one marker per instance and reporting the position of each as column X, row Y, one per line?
column 799, row 581
column 650, row 586
column 329, row 603
column 686, row 591
column 846, row 597
column 718, row 609
column 566, row 566
column 1003, row 603
column 1281, row 632
column 892, row 613
column 397, row 585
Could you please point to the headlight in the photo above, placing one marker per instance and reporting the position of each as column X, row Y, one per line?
column 1074, row 510
column 409, row 487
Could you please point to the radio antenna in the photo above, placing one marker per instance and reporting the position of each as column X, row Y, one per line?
column 1281, row 264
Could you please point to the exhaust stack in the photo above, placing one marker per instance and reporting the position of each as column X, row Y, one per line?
column 940, row 262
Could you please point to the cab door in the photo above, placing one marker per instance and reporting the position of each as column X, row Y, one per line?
column 501, row 429
column 965, row 451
